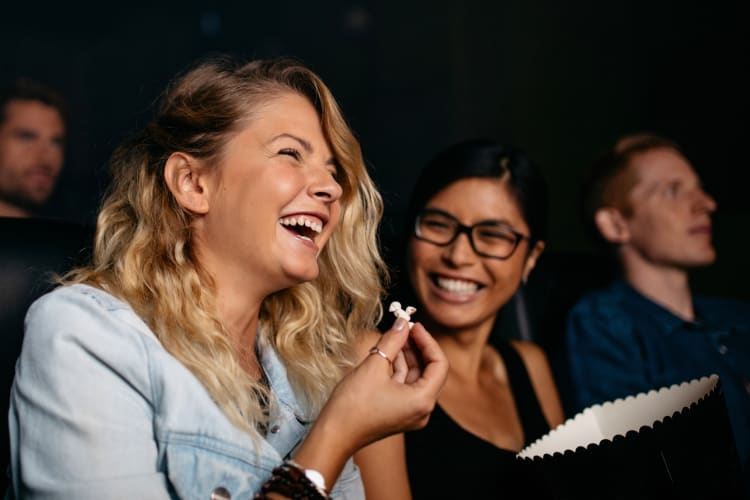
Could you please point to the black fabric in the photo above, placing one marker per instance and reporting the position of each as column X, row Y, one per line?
column 445, row 461
column 529, row 410
column 558, row 281
column 32, row 250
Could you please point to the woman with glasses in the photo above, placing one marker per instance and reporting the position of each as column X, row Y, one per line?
column 476, row 227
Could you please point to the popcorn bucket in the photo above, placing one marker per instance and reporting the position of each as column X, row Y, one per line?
column 675, row 442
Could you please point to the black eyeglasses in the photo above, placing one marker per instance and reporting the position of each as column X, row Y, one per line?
column 488, row 239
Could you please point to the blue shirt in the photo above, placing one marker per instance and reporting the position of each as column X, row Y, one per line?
column 99, row 409
column 621, row 343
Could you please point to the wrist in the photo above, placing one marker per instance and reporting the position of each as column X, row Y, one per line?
column 315, row 477
column 292, row 481
column 325, row 450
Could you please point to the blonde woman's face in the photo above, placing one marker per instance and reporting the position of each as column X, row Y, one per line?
column 456, row 287
column 275, row 200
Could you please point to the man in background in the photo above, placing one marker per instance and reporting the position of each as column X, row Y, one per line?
column 648, row 330
column 32, row 144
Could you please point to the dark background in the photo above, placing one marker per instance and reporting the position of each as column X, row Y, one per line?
column 559, row 79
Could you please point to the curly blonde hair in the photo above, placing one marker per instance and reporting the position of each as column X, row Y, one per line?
column 144, row 255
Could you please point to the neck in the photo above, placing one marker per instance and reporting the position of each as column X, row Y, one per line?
column 464, row 349
column 8, row 210
column 238, row 308
column 238, row 301
column 666, row 286
column 240, row 318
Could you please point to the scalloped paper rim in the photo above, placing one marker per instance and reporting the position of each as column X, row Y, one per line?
column 604, row 421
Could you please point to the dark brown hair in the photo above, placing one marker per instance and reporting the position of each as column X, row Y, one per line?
column 25, row 89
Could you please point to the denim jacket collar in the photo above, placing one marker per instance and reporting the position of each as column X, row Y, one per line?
column 278, row 381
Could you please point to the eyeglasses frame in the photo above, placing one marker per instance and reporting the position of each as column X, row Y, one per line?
column 467, row 230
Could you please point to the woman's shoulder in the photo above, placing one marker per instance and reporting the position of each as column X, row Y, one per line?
column 531, row 354
column 80, row 341
column 542, row 380
column 76, row 298
column 82, row 316
column 535, row 361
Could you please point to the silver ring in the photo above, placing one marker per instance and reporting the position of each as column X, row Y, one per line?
column 376, row 350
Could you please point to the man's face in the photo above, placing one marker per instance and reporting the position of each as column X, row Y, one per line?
column 669, row 220
column 32, row 140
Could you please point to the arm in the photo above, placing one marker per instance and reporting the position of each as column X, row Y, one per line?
column 383, row 468
column 82, row 418
column 372, row 402
column 81, row 421
column 383, row 463
column 604, row 355
column 542, row 380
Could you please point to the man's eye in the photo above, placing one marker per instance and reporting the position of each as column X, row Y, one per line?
column 291, row 152
column 671, row 191
column 26, row 136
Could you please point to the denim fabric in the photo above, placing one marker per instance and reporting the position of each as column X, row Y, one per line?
column 621, row 343
column 100, row 410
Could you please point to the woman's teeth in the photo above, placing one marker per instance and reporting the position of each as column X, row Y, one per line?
column 457, row 286
column 302, row 221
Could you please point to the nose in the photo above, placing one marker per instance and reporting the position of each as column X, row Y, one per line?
column 49, row 156
column 460, row 252
column 324, row 186
column 705, row 202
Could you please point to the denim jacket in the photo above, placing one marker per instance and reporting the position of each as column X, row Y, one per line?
column 99, row 409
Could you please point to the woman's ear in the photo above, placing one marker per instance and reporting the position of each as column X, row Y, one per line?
column 187, row 182
column 531, row 259
column 612, row 225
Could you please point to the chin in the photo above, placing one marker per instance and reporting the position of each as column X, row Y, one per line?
column 703, row 260
column 452, row 320
column 298, row 276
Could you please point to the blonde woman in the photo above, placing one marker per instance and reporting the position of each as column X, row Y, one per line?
column 208, row 351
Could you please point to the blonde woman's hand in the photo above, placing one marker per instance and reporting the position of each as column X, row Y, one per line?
column 378, row 398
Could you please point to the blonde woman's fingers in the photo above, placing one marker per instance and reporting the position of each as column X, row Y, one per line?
column 394, row 339
column 435, row 364
column 400, row 368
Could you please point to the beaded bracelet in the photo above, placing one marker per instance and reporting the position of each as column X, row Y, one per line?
column 289, row 479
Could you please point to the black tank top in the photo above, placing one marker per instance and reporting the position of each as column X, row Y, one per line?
column 445, row 461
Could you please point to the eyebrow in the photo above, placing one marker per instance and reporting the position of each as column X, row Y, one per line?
column 25, row 129
column 305, row 145
column 485, row 222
